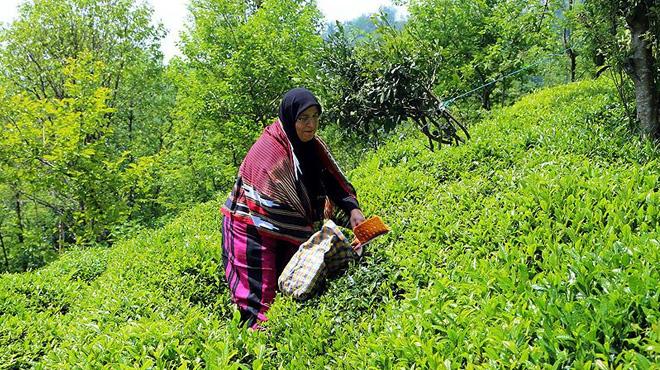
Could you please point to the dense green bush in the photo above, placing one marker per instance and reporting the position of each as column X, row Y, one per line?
column 84, row 105
column 534, row 245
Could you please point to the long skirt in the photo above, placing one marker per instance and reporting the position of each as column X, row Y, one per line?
column 252, row 262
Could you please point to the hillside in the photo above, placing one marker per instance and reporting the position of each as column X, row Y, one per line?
column 535, row 243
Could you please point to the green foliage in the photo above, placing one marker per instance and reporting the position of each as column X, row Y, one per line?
column 83, row 110
column 57, row 157
column 534, row 245
column 156, row 140
column 477, row 42
column 377, row 81
column 377, row 84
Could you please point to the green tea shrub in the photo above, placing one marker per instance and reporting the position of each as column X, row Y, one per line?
column 535, row 245
column 508, row 251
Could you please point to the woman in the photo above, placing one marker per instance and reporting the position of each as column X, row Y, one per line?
column 286, row 184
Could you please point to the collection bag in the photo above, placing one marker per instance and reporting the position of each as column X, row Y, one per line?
column 324, row 254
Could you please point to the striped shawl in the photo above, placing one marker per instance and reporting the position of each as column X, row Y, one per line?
column 268, row 193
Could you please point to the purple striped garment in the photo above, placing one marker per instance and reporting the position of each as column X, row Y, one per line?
column 252, row 265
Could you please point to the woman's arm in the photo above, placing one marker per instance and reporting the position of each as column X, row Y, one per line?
column 346, row 201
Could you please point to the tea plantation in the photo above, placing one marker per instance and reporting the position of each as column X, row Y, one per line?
column 535, row 245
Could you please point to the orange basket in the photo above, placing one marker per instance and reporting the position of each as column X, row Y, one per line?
column 368, row 230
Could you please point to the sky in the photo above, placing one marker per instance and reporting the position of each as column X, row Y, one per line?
column 172, row 14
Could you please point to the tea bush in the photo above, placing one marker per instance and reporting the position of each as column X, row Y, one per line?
column 534, row 245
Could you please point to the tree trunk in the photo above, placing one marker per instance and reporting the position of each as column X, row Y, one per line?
column 19, row 218
column 572, row 56
column 599, row 59
column 487, row 89
column 503, row 92
column 568, row 46
column 131, row 159
column 640, row 67
column 4, row 251
column 80, row 234
column 485, row 97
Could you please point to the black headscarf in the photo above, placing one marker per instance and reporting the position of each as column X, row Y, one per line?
column 295, row 102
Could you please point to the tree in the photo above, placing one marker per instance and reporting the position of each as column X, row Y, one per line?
column 568, row 38
column 377, row 84
column 642, row 65
column 639, row 55
column 446, row 48
column 55, row 148
column 477, row 42
column 83, row 107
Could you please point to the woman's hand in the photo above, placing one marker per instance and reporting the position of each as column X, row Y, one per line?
column 356, row 217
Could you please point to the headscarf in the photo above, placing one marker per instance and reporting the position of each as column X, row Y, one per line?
column 294, row 102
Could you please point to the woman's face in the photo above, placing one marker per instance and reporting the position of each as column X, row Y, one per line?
column 307, row 124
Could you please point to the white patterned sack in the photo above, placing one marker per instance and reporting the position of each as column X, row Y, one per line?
column 327, row 252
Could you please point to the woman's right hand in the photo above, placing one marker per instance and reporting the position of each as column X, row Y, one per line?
column 356, row 218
